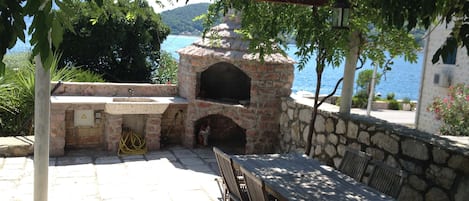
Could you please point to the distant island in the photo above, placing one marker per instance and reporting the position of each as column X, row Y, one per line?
column 180, row 20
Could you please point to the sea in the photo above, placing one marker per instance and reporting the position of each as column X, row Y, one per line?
column 403, row 80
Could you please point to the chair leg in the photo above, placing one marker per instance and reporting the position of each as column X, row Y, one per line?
column 223, row 189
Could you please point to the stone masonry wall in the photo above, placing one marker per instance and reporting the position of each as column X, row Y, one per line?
column 83, row 137
column 173, row 124
column 61, row 129
column 437, row 167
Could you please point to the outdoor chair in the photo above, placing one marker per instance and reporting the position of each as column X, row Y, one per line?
column 233, row 188
column 255, row 186
column 386, row 179
column 354, row 163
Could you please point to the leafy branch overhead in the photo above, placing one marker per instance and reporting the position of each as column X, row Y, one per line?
column 383, row 14
column 47, row 26
column 268, row 24
column 424, row 13
column 46, row 29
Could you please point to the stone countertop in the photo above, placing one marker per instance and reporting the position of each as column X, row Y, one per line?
column 109, row 99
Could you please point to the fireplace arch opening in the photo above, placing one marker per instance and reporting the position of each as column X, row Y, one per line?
column 224, row 82
column 223, row 133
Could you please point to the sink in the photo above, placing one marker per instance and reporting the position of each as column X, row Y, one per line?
column 135, row 105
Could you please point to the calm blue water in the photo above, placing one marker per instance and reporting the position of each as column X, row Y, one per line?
column 403, row 79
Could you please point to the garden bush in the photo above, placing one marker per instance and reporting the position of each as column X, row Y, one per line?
column 453, row 111
column 394, row 105
column 166, row 73
column 17, row 92
column 360, row 100
column 390, row 96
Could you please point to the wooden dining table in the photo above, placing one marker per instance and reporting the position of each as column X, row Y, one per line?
column 298, row 177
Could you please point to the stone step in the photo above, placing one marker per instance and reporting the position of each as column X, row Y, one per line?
column 16, row 146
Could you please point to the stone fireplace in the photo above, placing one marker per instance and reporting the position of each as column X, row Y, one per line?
column 232, row 91
column 224, row 133
column 224, row 82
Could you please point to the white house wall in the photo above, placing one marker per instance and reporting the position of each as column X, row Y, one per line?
column 458, row 73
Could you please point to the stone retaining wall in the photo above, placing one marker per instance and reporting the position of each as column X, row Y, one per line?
column 437, row 167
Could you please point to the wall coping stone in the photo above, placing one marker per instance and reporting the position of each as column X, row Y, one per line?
column 451, row 143
column 113, row 89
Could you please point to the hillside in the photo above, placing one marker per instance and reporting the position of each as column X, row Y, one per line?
column 180, row 20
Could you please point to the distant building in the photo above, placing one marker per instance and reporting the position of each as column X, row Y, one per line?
column 436, row 78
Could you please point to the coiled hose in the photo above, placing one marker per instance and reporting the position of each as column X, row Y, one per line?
column 131, row 143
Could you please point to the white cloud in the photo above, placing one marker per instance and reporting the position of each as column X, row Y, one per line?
column 168, row 5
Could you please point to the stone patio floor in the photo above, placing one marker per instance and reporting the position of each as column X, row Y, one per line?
column 171, row 174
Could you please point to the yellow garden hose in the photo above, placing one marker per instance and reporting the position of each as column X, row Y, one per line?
column 131, row 143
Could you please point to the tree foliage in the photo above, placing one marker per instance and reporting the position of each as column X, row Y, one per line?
column 267, row 25
column 46, row 28
column 167, row 71
column 121, row 41
column 396, row 14
column 364, row 80
column 422, row 13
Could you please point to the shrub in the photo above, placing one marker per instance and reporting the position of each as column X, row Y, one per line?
column 17, row 94
column 390, row 96
column 360, row 100
column 337, row 101
column 166, row 73
column 394, row 105
column 453, row 111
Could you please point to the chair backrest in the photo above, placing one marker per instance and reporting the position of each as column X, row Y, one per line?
column 386, row 179
column 225, row 165
column 255, row 186
column 354, row 163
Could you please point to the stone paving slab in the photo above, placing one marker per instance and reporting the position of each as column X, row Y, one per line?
column 160, row 154
column 172, row 174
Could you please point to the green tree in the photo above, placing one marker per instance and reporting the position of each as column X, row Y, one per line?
column 364, row 80
column 122, row 42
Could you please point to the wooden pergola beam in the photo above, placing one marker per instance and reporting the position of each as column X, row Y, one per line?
column 300, row 2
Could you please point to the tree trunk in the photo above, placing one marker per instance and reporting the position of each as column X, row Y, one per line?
column 349, row 73
column 41, row 130
column 320, row 64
